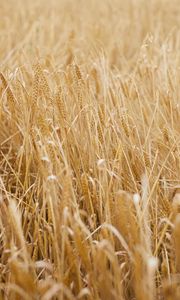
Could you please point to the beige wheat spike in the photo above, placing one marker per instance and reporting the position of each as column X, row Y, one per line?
column 10, row 96
column 86, row 193
column 122, row 207
column 15, row 218
column 124, row 124
column 49, row 217
column 42, row 80
column 66, row 190
column 146, row 160
column 41, row 122
column 176, row 233
column 23, row 277
column 70, row 56
column 51, row 152
column 96, row 80
column 84, row 184
column 166, row 134
column 100, row 134
column 80, row 97
column 60, row 102
column 35, row 90
column 82, row 248
column 177, row 241
column 101, row 114
column 78, row 72
column 176, row 203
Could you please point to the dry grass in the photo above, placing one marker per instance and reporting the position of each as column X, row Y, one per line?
column 90, row 149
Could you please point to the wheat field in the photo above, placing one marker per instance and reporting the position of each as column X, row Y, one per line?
column 90, row 149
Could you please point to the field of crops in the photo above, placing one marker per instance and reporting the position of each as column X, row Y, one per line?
column 90, row 150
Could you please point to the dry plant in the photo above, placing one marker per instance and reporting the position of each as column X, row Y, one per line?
column 90, row 150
